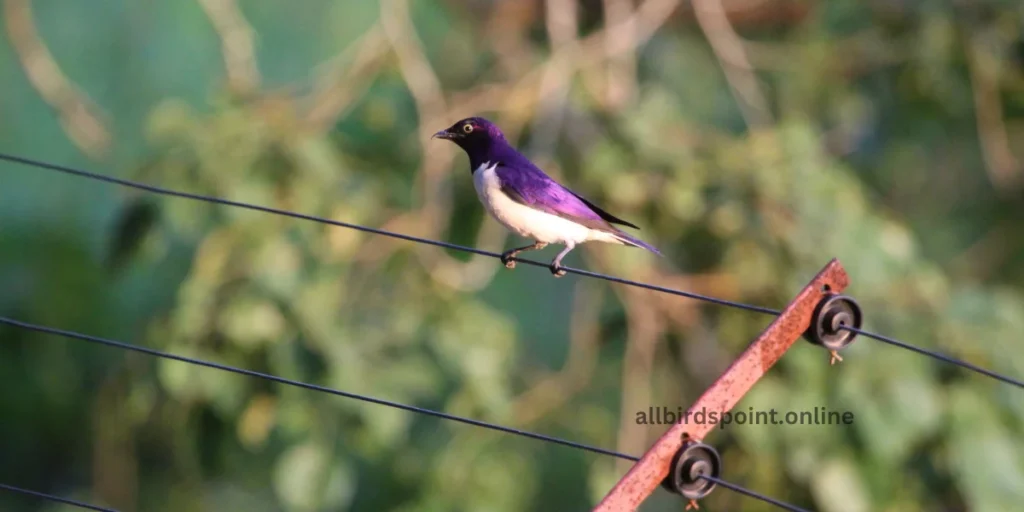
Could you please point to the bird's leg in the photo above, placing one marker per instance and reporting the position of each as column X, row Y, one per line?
column 556, row 264
column 506, row 257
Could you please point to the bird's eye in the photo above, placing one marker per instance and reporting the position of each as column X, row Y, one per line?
column 468, row 128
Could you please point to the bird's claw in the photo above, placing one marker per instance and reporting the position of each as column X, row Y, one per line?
column 557, row 270
column 506, row 258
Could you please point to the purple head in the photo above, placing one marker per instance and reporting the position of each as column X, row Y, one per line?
column 475, row 135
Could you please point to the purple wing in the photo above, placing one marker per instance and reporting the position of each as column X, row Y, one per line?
column 526, row 184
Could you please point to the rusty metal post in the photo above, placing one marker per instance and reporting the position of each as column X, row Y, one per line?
column 726, row 392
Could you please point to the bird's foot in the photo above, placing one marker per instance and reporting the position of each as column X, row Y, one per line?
column 835, row 357
column 506, row 258
column 556, row 270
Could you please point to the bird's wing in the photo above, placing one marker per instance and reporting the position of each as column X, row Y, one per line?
column 531, row 187
column 604, row 215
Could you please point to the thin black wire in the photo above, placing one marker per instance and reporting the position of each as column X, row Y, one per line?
column 276, row 211
column 366, row 229
column 314, row 387
column 281, row 380
column 753, row 494
column 936, row 355
column 436, row 243
column 58, row 499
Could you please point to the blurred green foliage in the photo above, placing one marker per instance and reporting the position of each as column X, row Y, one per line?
column 886, row 134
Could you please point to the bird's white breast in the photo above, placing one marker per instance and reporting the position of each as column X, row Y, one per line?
column 523, row 220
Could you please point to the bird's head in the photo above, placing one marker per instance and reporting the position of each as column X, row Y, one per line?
column 472, row 134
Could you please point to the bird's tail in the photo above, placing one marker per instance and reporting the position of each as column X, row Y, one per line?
column 628, row 239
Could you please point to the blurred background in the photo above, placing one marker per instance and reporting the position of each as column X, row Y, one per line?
column 752, row 140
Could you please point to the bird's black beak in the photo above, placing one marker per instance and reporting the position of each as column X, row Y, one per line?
column 443, row 134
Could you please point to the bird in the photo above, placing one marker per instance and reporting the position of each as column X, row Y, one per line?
column 528, row 202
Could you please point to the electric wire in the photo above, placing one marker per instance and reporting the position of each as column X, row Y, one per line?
column 56, row 499
column 367, row 229
column 753, row 494
column 447, row 245
column 323, row 389
column 281, row 380
column 941, row 357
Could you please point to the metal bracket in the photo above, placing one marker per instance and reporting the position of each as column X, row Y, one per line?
column 765, row 351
